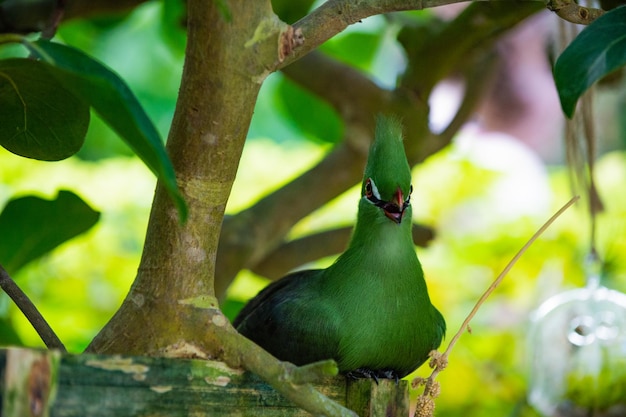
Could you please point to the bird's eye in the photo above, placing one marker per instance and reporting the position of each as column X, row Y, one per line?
column 368, row 188
column 407, row 202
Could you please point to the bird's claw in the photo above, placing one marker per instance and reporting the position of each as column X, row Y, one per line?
column 391, row 374
column 363, row 373
column 373, row 374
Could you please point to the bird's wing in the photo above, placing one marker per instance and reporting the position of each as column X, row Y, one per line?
column 290, row 319
column 288, row 282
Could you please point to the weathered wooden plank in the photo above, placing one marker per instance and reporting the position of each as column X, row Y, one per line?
column 173, row 387
column 46, row 383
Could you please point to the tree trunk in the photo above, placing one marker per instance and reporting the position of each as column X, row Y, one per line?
column 167, row 303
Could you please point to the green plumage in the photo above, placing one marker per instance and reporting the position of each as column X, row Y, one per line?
column 370, row 311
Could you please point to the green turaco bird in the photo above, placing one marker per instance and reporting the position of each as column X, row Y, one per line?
column 369, row 311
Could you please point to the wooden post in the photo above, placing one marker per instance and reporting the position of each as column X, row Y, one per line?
column 47, row 383
column 369, row 399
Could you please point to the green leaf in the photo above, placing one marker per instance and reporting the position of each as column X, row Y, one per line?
column 40, row 119
column 173, row 16
column 31, row 226
column 598, row 50
column 356, row 48
column 290, row 11
column 313, row 116
column 115, row 103
column 8, row 335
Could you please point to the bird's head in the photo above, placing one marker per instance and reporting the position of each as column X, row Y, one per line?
column 387, row 178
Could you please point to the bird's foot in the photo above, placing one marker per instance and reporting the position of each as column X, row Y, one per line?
column 374, row 374
column 360, row 373
column 390, row 374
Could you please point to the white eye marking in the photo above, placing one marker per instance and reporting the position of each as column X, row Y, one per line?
column 370, row 187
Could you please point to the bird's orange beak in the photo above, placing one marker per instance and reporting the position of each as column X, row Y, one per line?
column 394, row 210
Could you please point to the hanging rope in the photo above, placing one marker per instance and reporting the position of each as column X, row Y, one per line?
column 581, row 151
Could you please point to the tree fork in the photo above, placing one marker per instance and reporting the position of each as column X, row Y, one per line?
column 219, row 86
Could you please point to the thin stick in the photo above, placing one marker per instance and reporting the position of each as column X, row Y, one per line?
column 33, row 315
column 487, row 293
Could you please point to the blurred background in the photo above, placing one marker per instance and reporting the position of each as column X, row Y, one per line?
column 484, row 194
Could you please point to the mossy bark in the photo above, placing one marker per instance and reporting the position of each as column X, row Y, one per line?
column 172, row 298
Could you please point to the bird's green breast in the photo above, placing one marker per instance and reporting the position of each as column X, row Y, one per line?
column 382, row 302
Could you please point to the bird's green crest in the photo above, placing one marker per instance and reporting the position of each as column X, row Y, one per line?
column 387, row 165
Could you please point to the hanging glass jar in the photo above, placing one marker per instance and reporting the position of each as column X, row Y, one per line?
column 578, row 353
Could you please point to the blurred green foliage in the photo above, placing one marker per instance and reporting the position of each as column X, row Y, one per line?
column 479, row 226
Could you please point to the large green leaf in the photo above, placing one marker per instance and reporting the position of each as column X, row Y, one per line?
column 598, row 50
column 39, row 118
column 115, row 103
column 311, row 115
column 31, row 226
column 290, row 11
column 8, row 335
column 357, row 49
column 172, row 31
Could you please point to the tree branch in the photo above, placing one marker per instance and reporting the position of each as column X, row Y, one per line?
column 297, row 252
column 570, row 11
column 477, row 80
column 291, row 381
column 474, row 31
column 245, row 241
column 248, row 236
column 333, row 16
column 354, row 96
column 26, row 306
